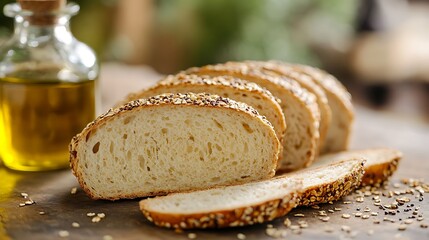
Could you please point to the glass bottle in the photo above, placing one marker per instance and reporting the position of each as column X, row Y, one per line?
column 47, row 86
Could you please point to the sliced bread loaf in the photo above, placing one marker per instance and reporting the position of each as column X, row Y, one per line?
column 225, row 86
column 230, row 206
column 380, row 165
column 307, row 83
column 299, row 107
column 339, row 100
column 170, row 143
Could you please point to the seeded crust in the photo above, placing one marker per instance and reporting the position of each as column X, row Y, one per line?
column 188, row 99
column 308, row 100
column 334, row 88
column 333, row 191
column 246, row 215
column 227, row 81
column 307, row 83
column 381, row 163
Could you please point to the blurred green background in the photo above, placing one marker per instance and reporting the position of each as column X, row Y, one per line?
column 174, row 34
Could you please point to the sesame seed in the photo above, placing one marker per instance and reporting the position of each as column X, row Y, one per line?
column 63, row 233
column 107, row 237
column 374, row 214
column 287, row 222
column 101, row 215
column 241, row 236
column 41, row 213
column 420, row 219
column 192, row 235
column 337, row 209
column 330, row 210
column 324, row 219
column 408, row 221
column 423, row 225
column 377, row 221
column 315, row 207
column 73, row 191
column 346, row 216
column 358, row 214
column 366, row 209
column 29, row 202
column 299, row 215
column 365, row 216
column 91, row 214
column 24, row 195
column 22, row 204
column 96, row 219
column 347, row 202
column 402, row 227
column 75, row 224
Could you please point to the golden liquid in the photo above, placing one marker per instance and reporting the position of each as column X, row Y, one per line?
column 38, row 120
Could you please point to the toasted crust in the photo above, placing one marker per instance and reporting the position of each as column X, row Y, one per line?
column 308, row 100
column 188, row 99
column 246, row 215
column 306, row 82
column 375, row 174
column 333, row 191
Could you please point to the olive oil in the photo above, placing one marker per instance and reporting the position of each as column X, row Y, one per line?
column 39, row 118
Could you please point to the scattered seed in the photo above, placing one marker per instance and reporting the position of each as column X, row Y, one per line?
column 294, row 227
column 107, row 237
column 358, row 214
column 96, row 219
column 396, row 185
column 299, row 215
column 101, row 215
column 41, row 213
column 192, row 235
column 331, row 211
column 241, row 236
column 337, row 209
column 22, row 204
column 322, row 213
column 365, row 216
column 359, row 199
column 420, row 219
column 315, row 207
column 370, row 232
column 367, row 209
column 423, row 225
column 73, row 191
column 75, row 224
column 377, row 221
column 63, row 233
column 24, row 195
column 91, row 214
column 367, row 193
column 29, row 202
column 346, row 216
column 287, row 222
column 402, row 227
column 324, row 219
column 329, row 229
column 270, row 226
column 347, row 202
column 408, row 221
column 374, row 214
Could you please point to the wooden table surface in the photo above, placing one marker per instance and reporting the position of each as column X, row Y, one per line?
column 51, row 192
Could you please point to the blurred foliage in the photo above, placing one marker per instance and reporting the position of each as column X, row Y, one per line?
column 221, row 30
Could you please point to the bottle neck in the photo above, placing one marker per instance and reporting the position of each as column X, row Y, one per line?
column 28, row 32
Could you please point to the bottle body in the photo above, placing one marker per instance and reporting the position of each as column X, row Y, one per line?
column 47, row 95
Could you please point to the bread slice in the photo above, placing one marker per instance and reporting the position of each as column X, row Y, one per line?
column 230, row 206
column 299, row 107
column 380, row 165
column 255, row 202
column 339, row 100
column 239, row 90
column 307, row 83
column 170, row 143
column 328, row 181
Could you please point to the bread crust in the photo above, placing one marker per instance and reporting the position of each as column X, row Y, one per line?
column 247, row 215
column 333, row 191
column 307, row 99
column 332, row 87
column 307, row 83
column 188, row 99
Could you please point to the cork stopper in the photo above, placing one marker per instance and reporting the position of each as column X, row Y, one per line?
column 42, row 10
